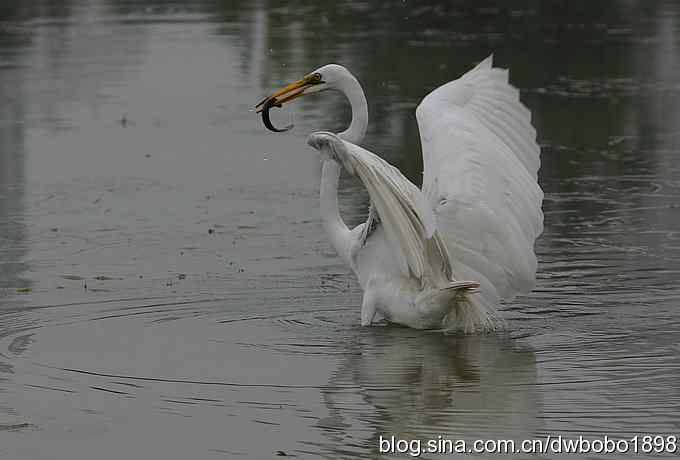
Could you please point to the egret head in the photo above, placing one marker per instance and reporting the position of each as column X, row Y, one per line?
column 330, row 76
column 324, row 78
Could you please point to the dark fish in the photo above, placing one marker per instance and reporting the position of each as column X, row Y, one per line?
column 268, row 104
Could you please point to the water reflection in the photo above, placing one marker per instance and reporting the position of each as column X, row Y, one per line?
column 416, row 385
column 13, row 248
column 401, row 51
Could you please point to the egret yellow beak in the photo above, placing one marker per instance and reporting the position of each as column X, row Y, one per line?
column 288, row 92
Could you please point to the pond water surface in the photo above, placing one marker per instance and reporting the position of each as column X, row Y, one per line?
column 166, row 288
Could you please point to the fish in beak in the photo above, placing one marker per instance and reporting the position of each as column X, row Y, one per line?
column 286, row 94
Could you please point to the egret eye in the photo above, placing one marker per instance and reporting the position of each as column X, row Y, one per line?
column 316, row 78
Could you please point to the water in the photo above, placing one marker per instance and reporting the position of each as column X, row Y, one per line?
column 167, row 291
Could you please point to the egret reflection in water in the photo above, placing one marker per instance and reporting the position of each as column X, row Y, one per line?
column 422, row 385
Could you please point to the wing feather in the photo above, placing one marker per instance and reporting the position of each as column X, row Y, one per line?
column 480, row 161
column 404, row 211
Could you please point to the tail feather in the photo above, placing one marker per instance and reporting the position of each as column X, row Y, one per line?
column 471, row 314
column 467, row 312
column 443, row 296
column 455, row 285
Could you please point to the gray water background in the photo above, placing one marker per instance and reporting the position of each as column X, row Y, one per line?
column 166, row 288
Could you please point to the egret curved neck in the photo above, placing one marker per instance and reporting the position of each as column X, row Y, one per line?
column 330, row 213
column 351, row 88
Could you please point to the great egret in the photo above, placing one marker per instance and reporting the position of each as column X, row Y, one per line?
column 476, row 217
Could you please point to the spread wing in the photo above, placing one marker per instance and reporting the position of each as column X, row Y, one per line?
column 404, row 212
column 480, row 161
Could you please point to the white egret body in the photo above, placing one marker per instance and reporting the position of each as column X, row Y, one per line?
column 476, row 217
